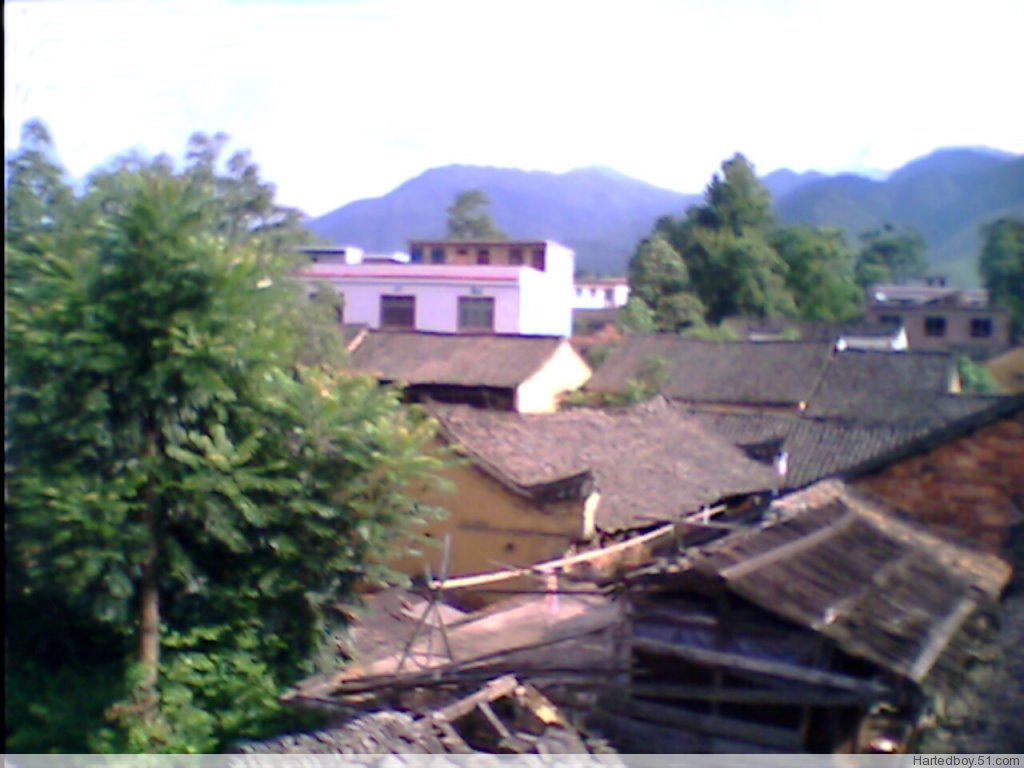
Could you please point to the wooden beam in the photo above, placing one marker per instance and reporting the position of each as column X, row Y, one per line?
column 939, row 638
column 495, row 689
column 811, row 540
column 758, row 666
column 728, row 727
column 788, row 696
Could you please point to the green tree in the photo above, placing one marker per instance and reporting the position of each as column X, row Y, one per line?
column 975, row 378
column 658, row 278
column 723, row 243
column 890, row 255
column 1002, row 269
column 819, row 273
column 469, row 218
column 179, row 478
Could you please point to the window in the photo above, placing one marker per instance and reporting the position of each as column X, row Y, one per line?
column 935, row 326
column 483, row 256
column 609, row 294
column 462, row 251
column 981, row 327
column 398, row 312
column 437, row 256
column 515, row 257
column 537, row 259
column 476, row 314
column 890, row 320
column 416, row 256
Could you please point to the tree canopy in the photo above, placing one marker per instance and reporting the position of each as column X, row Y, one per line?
column 189, row 496
column 890, row 254
column 1002, row 269
column 469, row 218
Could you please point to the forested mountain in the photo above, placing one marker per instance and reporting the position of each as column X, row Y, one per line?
column 602, row 214
column 946, row 196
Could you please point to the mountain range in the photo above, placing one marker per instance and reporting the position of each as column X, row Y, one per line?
column 602, row 214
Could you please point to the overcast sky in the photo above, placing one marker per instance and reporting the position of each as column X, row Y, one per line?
column 345, row 100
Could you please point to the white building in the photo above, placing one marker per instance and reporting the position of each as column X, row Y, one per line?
column 504, row 287
column 601, row 293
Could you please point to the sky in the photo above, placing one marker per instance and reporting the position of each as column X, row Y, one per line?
column 345, row 100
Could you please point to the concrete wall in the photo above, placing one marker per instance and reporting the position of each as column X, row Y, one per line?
column 594, row 295
column 566, row 371
column 971, row 488
column 545, row 304
column 958, row 326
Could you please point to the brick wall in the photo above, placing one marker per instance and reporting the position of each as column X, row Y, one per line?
column 970, row 486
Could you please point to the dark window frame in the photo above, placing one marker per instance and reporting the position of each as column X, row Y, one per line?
column 935, row 326
column 515, row 257
column 469, row 314
column 397, row 312
column 981, row 328
column 437, row 256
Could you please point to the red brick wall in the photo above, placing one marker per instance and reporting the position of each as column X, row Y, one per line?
column 967, row 486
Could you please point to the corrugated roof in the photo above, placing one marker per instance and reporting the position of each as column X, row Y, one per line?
column 883, row 590
column 732, row 372
column 454, row 360
column 650, row 462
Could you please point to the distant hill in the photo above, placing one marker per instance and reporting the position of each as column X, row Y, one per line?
column 602, row 214
column 947, row 196
column 599, row 213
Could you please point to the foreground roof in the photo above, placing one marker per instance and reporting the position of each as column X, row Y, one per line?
column 452, row 359
column 754, row 373
column 649, row 463
column 882, row 589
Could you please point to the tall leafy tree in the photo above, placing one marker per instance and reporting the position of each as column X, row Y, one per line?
column 659, row 279
column 819, row 273
column 1002, row 268
column 890, row 254
column 723, row 242
column 178, row 472
column 469, row 218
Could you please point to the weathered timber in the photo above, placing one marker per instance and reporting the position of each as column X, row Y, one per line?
column 758, row 666
column 728, row 727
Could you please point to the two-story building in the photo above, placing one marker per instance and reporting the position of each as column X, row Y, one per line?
column 938, row 316
column 504, row 287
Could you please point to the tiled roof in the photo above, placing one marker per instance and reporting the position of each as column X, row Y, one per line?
column 815, row 449
column 733, row 372
column 887, row 387
column 650, row 462
column 881, row 589
column 454, row 360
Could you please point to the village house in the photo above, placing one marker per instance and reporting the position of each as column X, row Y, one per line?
column 528, row 374
column 601, row 292
column 785, row 377
column 822, row 623
column 534, row 487
column 830, row 626
column 964, row 479
column 471, row 287
column 939, row 316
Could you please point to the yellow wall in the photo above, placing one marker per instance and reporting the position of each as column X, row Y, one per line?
column 1008, row 370
column 566, row 371
column 491, row 527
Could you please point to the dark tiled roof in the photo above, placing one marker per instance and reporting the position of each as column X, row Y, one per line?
column 650, row 462
column 732, row 372
column 887, row 387
column 455, row 360
column 881, row 589
column 815, row 449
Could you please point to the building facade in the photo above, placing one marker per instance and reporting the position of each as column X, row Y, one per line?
column 503, row 287
column 601, row 293
column 937, row 316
